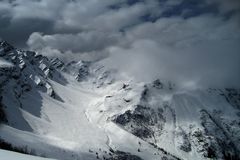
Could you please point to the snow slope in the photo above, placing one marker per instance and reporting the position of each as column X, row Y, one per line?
column 5, row 64
column 81, row 110
column 7, row 155
column 47, row 109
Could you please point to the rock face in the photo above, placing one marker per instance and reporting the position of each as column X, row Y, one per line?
column 142, row 122
column 5, row 47
column 29, row 70
column 118, row 155
column 232, row 96
column 3, row 117
column 80, row 70
column 222, row 143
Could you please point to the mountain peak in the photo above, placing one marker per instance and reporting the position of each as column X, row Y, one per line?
column 5, row 47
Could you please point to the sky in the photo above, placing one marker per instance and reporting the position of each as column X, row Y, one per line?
column 191, row 42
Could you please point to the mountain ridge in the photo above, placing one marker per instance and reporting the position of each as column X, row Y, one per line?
column 81, row 110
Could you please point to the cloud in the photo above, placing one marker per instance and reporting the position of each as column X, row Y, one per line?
column 90, row 45
column 187, row 41
column 18, row 31
column 203, row 50
column 146, row 60
column 226, row 6
column 20, row 18
column 81, row 42
column 85, row 45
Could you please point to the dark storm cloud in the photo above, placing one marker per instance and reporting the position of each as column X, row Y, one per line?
column 20, row 18
column 190, row 8
column 193, row 42
column 18, row 31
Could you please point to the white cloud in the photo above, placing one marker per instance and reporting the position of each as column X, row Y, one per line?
column 85, row 45
column 203, row 50
column 80, row 42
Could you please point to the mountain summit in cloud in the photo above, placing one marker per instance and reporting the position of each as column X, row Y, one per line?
column 188, row 41
column 83, row 110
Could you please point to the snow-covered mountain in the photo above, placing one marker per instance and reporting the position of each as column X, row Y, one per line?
column 81, row 110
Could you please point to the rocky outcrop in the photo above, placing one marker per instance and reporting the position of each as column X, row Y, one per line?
column 119, row 155
column 222, row 143
column 3, row 117
column 143, row 122
column 79, row 69
column 216, row 137
column 232, row 96
column 29, row 70
column 5, row 48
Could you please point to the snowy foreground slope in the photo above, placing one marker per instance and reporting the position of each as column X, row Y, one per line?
column 7, row 155
column 80, row 110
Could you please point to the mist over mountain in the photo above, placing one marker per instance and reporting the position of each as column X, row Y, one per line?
column 116, row 80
